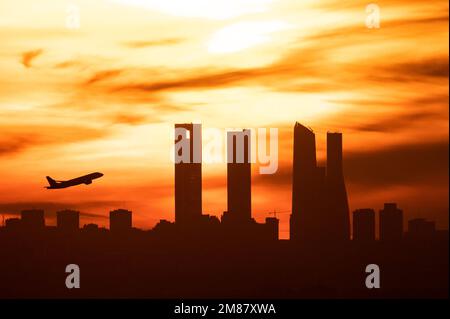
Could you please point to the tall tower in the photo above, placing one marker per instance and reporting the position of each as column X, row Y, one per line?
column 188, row 173
column 239, row 175
column 338, row 212
column 305, row 217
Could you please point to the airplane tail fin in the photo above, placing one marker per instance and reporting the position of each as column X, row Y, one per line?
column 51, row 181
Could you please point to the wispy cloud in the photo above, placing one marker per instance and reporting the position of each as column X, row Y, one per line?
column 103, row 75
column 29, row 56
column 152, row 43
column 18, row 138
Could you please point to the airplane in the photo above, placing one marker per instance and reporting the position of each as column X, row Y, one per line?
column 86, row 179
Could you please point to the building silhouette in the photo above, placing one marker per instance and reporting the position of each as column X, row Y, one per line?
column 235, row 256
column 272, row 226
column 13, row 224
column 236, row 224
column 239, row 175
column 420, row 228
column 364, row 225
column 91, row 228
column 306, row 191
column 120, row 220
column 32, row 220
column 188, row 174
column 68, row 220
column 391, row 222
column 237, row 221
column 320, row 210
column 337, row 209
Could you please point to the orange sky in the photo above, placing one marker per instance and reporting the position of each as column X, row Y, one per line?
column 104, row 97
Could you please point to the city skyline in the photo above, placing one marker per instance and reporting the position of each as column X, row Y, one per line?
column 203, row 256
column 312, row 185
column 103, row 94
column 363, row 226
column 319, row 214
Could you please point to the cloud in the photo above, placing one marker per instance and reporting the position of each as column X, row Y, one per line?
column 414, row 102
column 67, row 64
column 410, row 165
column 200, row 8
column 435, row 67
column 18, row 138
column 152, row 43
column 129, row 118
column 204, row 81
column 400, row 121
column 15, row 144
column 103, row 75
column 355, row 4
column 29, row 56
column 285, row 75
column 307, row 65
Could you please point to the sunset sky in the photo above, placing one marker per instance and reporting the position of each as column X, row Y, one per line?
column 105, row 97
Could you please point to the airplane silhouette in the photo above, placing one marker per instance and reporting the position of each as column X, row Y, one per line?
column 86, row 179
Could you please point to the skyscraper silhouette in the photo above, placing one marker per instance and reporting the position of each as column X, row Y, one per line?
column 188, row 173
column 319, row 198
column 307, row 188
column 234, row 257
column 337, row 210
column 391, row 223
column 239, row 175
column 364, row 225
column 237, row 221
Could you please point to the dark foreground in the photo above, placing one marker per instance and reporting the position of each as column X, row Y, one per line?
column 144, row 266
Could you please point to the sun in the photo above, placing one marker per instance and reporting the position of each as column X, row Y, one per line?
column 242, row 35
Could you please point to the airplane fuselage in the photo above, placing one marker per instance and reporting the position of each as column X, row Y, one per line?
column 86, row 179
